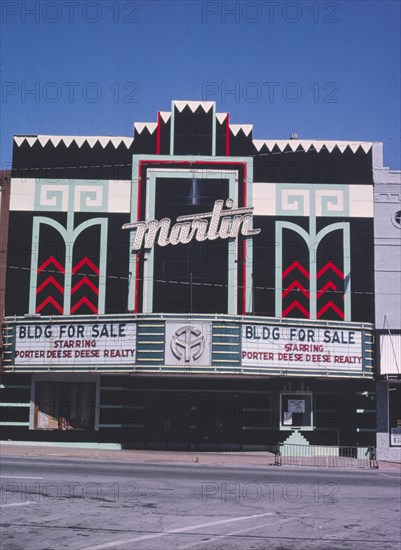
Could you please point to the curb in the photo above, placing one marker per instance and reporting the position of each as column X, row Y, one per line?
column 114, row 452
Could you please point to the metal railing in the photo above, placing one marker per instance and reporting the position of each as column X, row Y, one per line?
column 326, row 456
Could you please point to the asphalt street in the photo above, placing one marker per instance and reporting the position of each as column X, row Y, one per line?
column 73, row 503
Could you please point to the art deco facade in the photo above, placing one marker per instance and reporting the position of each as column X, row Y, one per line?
column 212, row 334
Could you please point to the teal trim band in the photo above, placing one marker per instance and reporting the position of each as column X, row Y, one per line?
column 232, row 276
column 148, row 270
column 14, row 423
column 15, row 404
column 68, row 262
column 226, row 345
column 131, row 304
column 34, row 265
column 101, row 304
column 347, row 270
column 154, row 352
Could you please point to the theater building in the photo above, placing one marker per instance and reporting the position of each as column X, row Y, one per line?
column 190, row 287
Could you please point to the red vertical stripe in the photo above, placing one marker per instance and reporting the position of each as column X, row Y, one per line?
column 158, row 134
column 228, row 135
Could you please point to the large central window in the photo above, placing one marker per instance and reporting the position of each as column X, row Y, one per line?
column 193, row 277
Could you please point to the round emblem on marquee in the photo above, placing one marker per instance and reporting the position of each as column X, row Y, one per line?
column 188, row 343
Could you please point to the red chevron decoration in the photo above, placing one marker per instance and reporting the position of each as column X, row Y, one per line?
column 331, row 266
column 84, row 301
column 52, row 260
column 50, row 281
column 296, row 305
column 332, row 271
column 89, row 263
column 49, row 300
column 49, row 285
column 328, row 286
column 296, row 285
column 88, row 290
column 295, row 265
column 85, row 281
column 330, row 305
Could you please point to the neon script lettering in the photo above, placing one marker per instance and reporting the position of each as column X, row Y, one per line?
column 208, row 226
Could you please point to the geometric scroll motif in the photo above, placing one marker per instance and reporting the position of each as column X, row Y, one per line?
column 312, row 200
column 72, row 283
column 71, row 196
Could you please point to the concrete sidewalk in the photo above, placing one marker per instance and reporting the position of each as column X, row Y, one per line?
column 256, row 458
column 235, row 458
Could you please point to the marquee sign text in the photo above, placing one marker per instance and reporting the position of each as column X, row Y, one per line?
column 295, row 347
column 75, row 343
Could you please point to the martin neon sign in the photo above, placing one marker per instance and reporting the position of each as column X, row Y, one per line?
column 207, row 226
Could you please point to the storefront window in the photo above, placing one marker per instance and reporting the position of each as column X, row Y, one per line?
column 64, row 406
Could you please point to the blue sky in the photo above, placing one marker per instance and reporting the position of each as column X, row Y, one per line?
column 325, row 70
